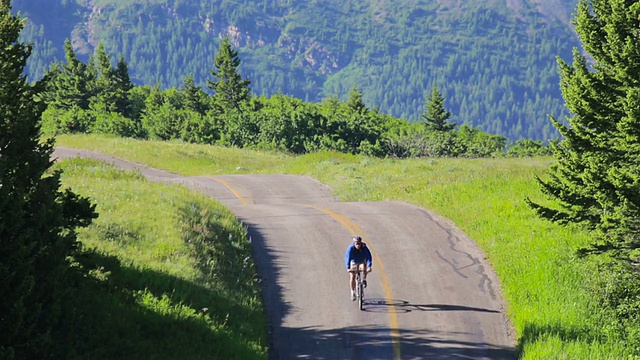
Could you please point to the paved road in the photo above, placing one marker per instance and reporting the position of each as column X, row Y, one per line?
column 431, row 295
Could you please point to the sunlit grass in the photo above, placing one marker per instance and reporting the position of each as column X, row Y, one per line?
column 545, row 285
column 178, row 158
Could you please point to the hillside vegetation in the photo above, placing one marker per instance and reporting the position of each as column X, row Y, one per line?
column 495, row 64
column 98, row 97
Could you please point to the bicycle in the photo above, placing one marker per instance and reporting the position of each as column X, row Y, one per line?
column 359, row 285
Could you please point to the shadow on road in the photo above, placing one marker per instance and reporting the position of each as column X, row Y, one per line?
column 402, row 306
column 371, row 342
column 269, row 270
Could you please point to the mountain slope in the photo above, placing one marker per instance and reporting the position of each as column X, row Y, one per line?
column 494, row 61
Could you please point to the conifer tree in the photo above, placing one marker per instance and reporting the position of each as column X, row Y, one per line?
column 435, row 115
column 596, row 180
column 355, row 102
column 37, row 219
column 193, row 97
column 112, row 84
column 229, row 89
column 123, row 85
column 72, row 83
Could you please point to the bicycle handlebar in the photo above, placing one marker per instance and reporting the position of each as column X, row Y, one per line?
column 368, row 270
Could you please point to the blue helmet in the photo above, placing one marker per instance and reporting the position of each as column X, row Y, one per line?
column 357, row 238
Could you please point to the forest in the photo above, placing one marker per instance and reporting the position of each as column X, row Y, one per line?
column 495, row 65
column 99, row 97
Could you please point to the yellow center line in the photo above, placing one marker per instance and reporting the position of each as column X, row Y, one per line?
column 235, row 192
column 393, row 317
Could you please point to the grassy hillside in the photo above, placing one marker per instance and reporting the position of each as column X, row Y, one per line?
column 155, row 287
column 495, row 64
column 553, row 296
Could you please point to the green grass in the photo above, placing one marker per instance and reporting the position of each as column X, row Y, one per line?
column 547, row 288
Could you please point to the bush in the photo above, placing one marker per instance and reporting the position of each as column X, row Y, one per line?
column 57, row 121
column 115, row 124
column 528, row 147
column 619, row 296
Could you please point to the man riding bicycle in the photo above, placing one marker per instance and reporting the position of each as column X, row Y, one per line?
column 357, row 257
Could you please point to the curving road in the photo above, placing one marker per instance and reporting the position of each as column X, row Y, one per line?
column 431, row 294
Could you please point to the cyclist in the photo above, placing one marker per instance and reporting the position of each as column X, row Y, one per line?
column 356, row 257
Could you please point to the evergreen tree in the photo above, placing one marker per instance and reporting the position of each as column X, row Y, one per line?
column 193, row 97
column 113, row 84
column 37, row 220
column 355, row 102
column 105, row 69
column 72, row 84
column 435, row 115
column 229, row 89
column 123, row 85
column 596, row 181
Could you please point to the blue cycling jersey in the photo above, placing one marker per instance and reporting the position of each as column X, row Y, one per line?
column 358, row 256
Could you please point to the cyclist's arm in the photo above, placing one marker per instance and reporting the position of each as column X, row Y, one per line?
column 347, row 258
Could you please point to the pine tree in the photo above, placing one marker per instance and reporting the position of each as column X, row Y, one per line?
column 123, row 85
column 112, row 84
column 37, row 220
column 435, row 115
column 596, row 180
column 229, row 89
column 72, row 83
column 193, row 97
column 355, row 102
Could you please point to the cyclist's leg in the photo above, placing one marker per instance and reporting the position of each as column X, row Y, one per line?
column 363, row 270
column 352, row 277
column 352, row 281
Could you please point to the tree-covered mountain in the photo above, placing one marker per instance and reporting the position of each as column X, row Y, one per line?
column 494, row 61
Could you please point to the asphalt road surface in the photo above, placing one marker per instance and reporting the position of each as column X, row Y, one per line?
column 431, row 294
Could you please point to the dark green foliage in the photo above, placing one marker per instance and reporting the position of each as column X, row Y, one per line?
column 91, row 97
column 414, row 140
column 112, row 84
column 435, row 115
column 72, row 84
column 618, row 295
column 37, row 219
column 596, row 182
column 231, row 117
column 57, row 121
column 476, row 143
column 287, row 124
column 355, row 102
column 163, row 118
column 137, row 99
column 239, row 128
column 528, row 147
column 194, row 98
column 495, row 62
column 350, row 127
column 122, row 85
column 114, row 123
column 230, row 91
